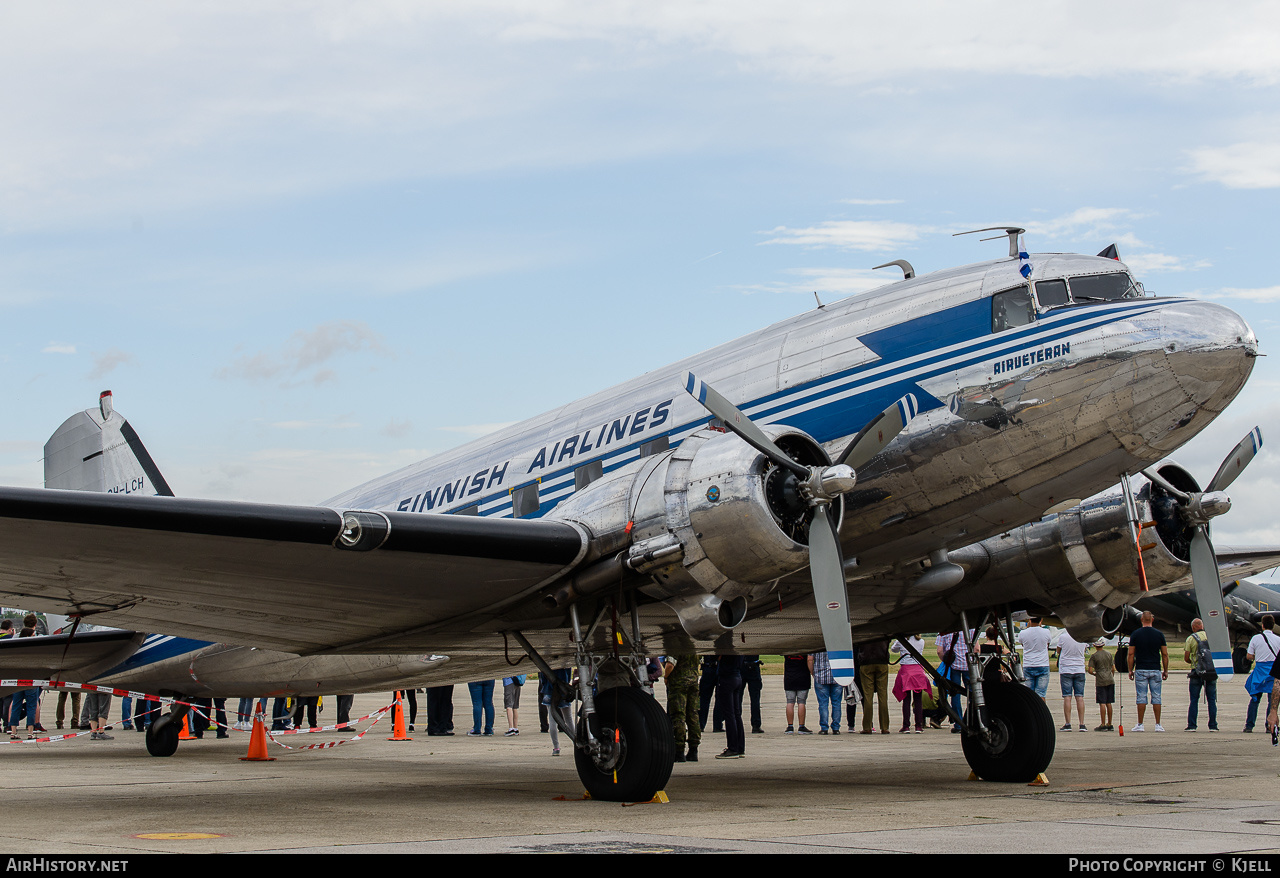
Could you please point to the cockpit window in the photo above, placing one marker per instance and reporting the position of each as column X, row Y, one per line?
column 1103, row 287
column 1052, row 293
column 1011, row 308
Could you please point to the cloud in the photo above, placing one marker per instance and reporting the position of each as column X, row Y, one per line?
column 308, row 349
column 397, row 429
column 1150, row 263
column 105, row 363
column 1257, row 294
column 1249, row 165
column 291, row 475
column 840, row 281
column 1112, row 222
column 478, row 429
column 315, row 425
column 1084, row 222
column 867, row 235
column 56, row 347
column 20, row 446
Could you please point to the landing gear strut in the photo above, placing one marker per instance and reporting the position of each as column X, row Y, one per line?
column 1008, row 731
column 622, row 747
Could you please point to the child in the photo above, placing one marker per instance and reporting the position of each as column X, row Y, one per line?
column 1102, row 666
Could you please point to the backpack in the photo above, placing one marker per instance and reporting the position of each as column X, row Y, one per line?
column 1203, row 667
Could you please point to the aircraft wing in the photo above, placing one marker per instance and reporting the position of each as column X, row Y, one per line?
column 1241, row 562
column 280, row 577
column 85, row 653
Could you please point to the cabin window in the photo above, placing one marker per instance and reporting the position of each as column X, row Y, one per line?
column 524, row 500
column 587, row 473
column 1102, row 287
column 473, row 509
column 1052, row 293
column 1011, row 308
column 655, row 446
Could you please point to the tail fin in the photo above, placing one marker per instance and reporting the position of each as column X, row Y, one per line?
column 97, row 450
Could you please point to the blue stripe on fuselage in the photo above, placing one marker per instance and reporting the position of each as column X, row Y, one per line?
column 157, row 648
column 837, row 405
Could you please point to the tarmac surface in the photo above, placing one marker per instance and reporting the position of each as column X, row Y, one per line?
column 1140, row 793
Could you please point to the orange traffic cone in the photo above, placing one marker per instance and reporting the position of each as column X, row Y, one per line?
column 185, row 735
column 258, row 741
column 397, row 717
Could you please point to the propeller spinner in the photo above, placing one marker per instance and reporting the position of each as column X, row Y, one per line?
column 817, row 487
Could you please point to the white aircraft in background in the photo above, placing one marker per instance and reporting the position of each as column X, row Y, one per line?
column 911, row 459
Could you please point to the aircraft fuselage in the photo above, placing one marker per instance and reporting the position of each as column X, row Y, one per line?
column 1019, row 409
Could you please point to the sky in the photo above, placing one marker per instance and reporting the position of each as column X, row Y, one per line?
column 308, row 243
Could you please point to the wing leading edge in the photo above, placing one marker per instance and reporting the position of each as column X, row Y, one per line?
column 267, row 575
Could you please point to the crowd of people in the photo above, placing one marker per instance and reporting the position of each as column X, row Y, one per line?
column 713, row 687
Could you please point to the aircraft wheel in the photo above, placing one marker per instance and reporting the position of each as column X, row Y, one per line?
column 1023, row 740
column 1238, row 660
column 642, row 756
column 162, row 736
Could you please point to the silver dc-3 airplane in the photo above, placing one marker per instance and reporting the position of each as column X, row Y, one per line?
column 918, row 458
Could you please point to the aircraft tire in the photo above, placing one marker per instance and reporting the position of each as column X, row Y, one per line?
column 162, row 737
column 1025, row 736
column 645, row 740
column 1239, row 660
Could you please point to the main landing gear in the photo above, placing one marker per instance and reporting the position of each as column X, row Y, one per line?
column 622, row 747
column 1007, row 730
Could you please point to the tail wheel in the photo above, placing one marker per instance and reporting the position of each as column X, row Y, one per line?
column 162, row 736
column 1022, row 736
column 640, row 751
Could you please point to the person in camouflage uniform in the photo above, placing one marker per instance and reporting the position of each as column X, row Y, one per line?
column 682, row 704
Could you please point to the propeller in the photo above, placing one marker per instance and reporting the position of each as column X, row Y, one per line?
column 817, row 487
column 1196, row 509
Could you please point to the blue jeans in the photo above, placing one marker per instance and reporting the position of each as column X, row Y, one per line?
column 1250, row 717
column 24, row 700
column 1210, row 688
column 1037, row 679
column 481, row 702
column 1146, row 687
column 961, row 677
column 829, row 695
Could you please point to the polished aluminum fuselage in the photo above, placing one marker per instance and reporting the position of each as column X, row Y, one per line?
column 1011, row 424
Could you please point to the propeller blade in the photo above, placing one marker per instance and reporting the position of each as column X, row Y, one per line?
column 1213, row 612
column 1236, row 461
column 1155, row 478
column 873, row 438
column 826, row 566
column 739, row 423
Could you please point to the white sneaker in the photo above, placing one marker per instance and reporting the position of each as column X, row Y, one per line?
column 1137, row 728
column 1159, row 728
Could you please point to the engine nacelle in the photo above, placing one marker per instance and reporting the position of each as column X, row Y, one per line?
column 1085, row 562
column 712, row 518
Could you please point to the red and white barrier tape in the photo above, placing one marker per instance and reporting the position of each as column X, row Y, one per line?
column 377, row 715
column 194, row 709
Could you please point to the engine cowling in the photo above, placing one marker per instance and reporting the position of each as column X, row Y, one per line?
column 1084, row 563
column 713, row 522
